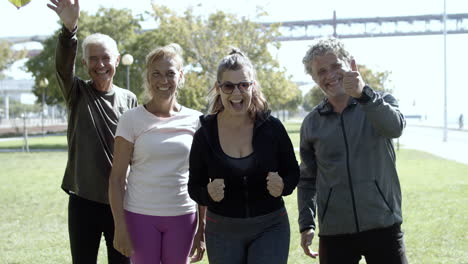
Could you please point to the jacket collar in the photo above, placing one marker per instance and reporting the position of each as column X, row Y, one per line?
column 209, row 121
column 326, row 108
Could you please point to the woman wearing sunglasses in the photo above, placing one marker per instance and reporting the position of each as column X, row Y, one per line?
column 241, row 164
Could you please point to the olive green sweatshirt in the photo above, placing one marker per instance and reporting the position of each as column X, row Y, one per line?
column 92, row 121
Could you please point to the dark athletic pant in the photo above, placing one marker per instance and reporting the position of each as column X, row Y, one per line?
column 87, row 221
column 257, row 240
column 379, row 246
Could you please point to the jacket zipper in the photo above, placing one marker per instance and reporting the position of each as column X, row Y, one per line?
column 246, row 196
column 350, row 181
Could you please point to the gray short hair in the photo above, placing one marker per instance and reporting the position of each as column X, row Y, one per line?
column 322, row 47
column 100, row 39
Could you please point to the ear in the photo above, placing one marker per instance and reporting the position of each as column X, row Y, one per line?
column 216, row 86
column 181, row 74
column 117, row 61
column 83, row 61
column 354, row 66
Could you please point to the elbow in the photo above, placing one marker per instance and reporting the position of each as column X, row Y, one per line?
column 395, row 132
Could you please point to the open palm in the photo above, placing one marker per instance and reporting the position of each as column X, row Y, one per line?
column 67, row 10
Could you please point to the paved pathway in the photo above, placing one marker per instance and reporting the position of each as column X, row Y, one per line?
column 429, row 139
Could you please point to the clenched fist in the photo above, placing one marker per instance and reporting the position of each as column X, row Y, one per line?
column 216, row 189
column 353, row 82
column 274, row 184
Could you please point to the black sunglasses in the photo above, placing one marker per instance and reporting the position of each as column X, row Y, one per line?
column 228, row 88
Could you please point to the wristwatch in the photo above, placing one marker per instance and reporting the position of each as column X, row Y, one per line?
column 366, row 96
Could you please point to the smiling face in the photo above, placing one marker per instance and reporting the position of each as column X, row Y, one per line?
column 101, row 64
column 327, row 72
column 238, row 102
column 164, row 77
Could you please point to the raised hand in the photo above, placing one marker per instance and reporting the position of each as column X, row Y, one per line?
column 306, row 241
column 353, row 82
column 275, row 184
column 216, row 189
column 67, row 10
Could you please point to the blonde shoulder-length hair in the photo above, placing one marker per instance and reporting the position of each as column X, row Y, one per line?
column 172, row 52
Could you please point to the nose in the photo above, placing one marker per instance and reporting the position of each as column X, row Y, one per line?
column 237, row 89
column 163, row 79
column 100, row 62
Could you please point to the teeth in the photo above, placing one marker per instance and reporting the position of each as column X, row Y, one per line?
column 236, row 101
column 163, row 88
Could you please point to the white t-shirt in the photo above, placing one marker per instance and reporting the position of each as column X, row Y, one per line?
column 157, row 182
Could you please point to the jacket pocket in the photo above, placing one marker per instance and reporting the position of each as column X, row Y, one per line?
column 326, row 205
column 383, row 197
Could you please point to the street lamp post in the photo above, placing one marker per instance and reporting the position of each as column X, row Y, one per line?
column 127, row 60
column 43, row 83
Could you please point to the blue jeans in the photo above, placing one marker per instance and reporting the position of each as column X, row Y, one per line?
column 256, row 240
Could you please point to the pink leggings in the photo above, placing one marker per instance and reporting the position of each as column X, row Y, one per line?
column 161, row 239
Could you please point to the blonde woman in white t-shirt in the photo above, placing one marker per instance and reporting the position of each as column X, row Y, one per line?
column 155, row 219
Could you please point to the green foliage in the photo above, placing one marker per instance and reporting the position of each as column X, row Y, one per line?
column 312, row 98
column 8, row 56
column 378, row 81
column 205, row 42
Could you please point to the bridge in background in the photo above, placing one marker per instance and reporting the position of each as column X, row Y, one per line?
column 349, row 27
column 372, row 27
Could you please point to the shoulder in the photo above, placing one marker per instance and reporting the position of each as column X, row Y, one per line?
column 191, row 112
column 133, row 112
column 124, row 92
column 207, row 120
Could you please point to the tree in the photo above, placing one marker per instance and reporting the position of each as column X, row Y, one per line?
column 379, row 81
column 119, row 24
column 204, row 40
column 8, row 56
column 207, row 41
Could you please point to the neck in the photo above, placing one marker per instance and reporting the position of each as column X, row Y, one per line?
column 234, row 120
column 339, row 103
column 164, row 108
column 103, row 86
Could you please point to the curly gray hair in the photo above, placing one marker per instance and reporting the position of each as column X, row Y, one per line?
column 322, row 47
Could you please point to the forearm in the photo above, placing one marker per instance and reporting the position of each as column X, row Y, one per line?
column 116, row 198
column 383, row 113
column 307, row 208
column 201, row 218
column 65, row 56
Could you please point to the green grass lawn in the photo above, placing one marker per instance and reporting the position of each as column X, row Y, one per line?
column 33, row 221
column 37, row 142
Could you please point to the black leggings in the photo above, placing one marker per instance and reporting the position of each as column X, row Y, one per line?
column 257, row 240
column 87, row 221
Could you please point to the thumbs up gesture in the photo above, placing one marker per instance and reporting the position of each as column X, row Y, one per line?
column 352, row 81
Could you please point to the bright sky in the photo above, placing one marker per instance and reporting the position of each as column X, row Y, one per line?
column 416, row 63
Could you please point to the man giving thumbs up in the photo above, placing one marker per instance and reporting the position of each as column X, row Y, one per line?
column 348, row 172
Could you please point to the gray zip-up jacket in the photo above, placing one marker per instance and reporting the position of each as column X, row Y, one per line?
column 348, row 167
